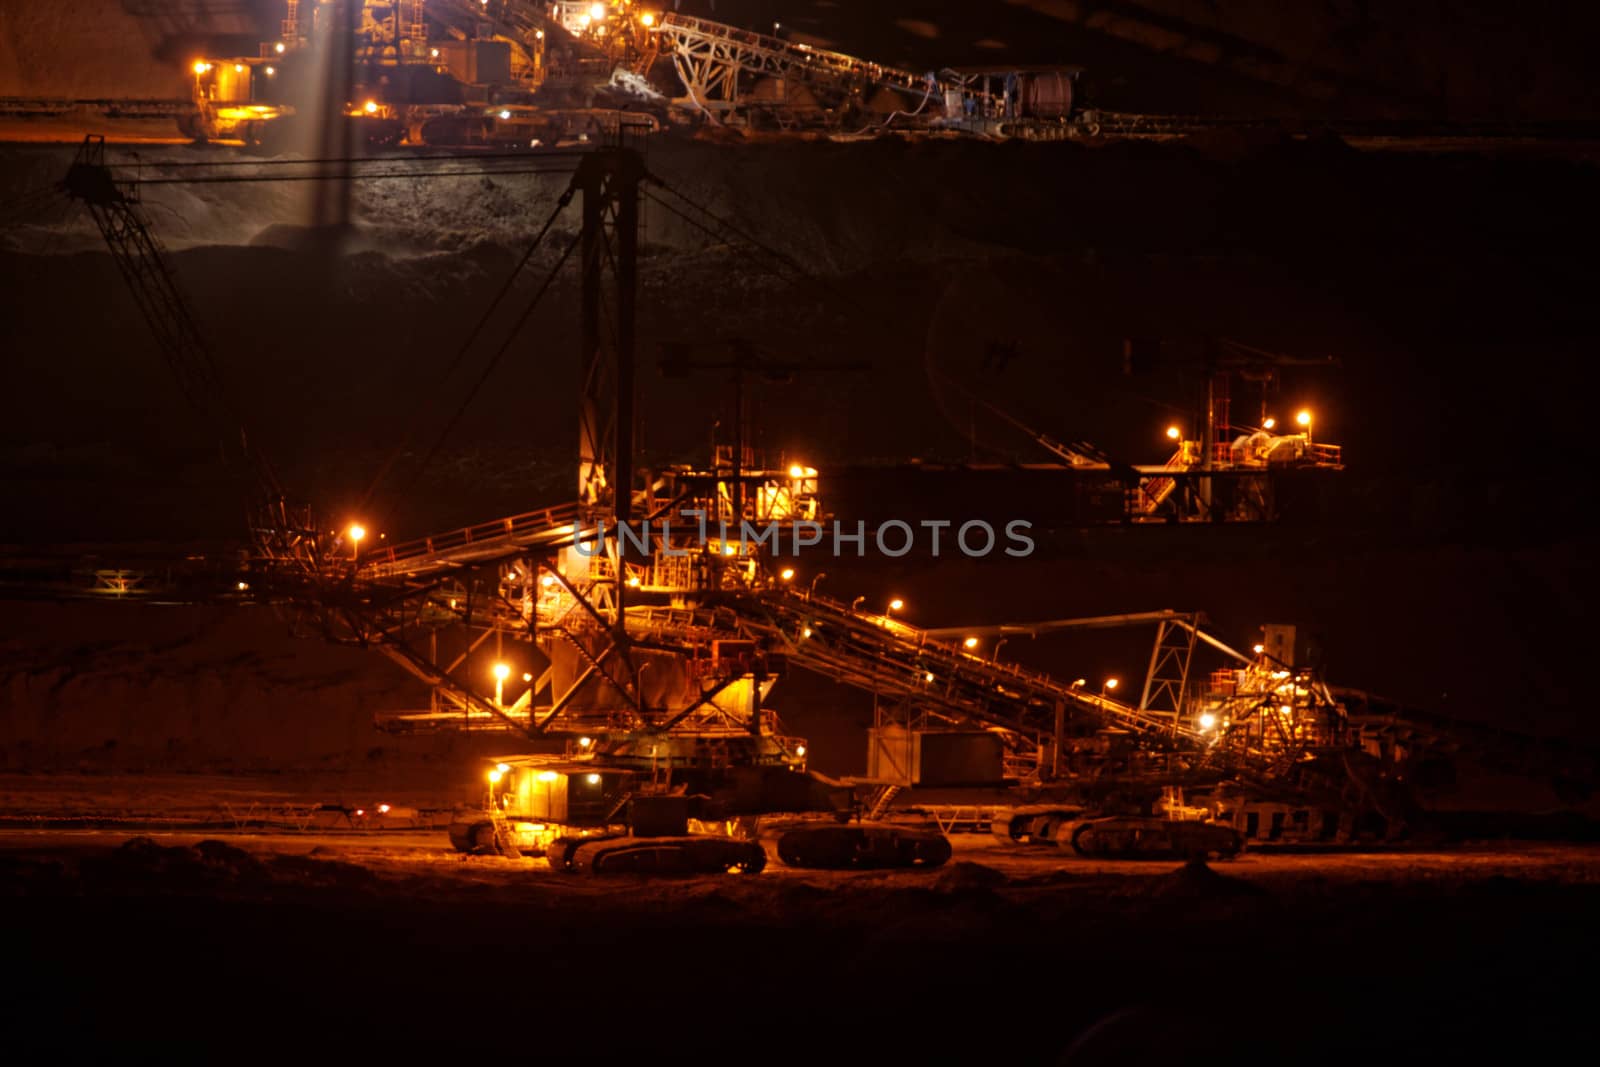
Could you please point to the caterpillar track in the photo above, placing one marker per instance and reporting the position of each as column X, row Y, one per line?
column 1139, row 837
column 694, row 854
column 1039, row 824
column 862, row 846
column 1115, row 836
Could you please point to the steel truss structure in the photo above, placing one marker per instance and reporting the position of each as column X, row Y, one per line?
column 653, row 649
column 710, row 57
column 280, row 532
column 636, row 627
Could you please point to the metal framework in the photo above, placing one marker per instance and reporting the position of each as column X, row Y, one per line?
column 655, row 646
column 1228, row 475
column 280, row 532
column 729, row 73
column 1167, row 682
column 723, row 69
column 522, row 24
column 710, row 58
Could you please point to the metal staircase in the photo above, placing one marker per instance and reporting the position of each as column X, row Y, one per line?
column 878, row 804
column 1154, row 492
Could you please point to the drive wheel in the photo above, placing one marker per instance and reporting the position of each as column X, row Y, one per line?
column 752, row 860
column 482, row 838
column 932, row 852
column 1006, row 827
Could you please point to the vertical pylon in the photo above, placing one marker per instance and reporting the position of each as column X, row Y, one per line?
column 1167, row 681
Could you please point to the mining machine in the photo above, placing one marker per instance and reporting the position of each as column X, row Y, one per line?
column 439, row 72
column 456, row 72
column 641, row 712
column 1221, row 472
column 626, row 642
column 515, row 72
column 738, row 77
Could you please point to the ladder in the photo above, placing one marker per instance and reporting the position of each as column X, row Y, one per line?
column 1152, row 494
column 878, row 804
column 504, row 841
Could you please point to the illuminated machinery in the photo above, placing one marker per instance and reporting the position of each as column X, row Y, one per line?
column 1265, row 731
column 523, row 78
column 635, row 635
column 1228, row 471
column 504, row 43
column 566, row 66
column 559, row 49
column 619, row 28
column 1234, row 481
column 1224, row 472
column 419, row 59
column 1265, row 703
column 601, row 624
column 642, row 665
column 234, row 99
column 631, row 639
column 613, row 644
column 246, row 97
column 618, row 660
column 399, row 71
column 634, row 662
column 1239, row 456
column 646, row 654
column 733, row 76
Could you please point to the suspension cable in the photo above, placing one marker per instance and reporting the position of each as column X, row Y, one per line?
column 494, row 361
column 232, row 179
column 800, row 273
column 222, row 164
column 415, row 417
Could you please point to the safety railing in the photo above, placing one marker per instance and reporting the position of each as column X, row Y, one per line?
column 1321, row 455
column 511, row 529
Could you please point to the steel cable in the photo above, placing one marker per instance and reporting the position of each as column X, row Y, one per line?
column 494, row 361
column 422, row 405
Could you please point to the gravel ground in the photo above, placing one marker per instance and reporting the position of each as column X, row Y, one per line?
column 183, row 948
